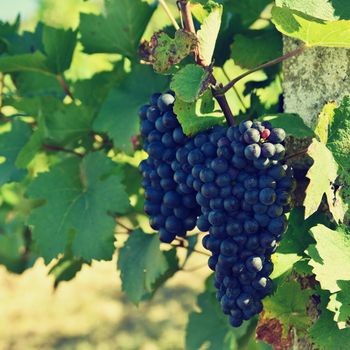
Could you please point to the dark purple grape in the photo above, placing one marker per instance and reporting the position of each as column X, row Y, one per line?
column 267, row 196
column 267, row 181
column 261, row 163
column 244, row 126
column 252, row 151
column 268, row 150
column 251, row 136
column 277, row 135
column 279, row 152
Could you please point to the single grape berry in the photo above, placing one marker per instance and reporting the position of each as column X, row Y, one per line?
column 165, row 102
column 252, row 151
column 245, row 126
column 265, row 133
column 267, row 196
column 251, row 136
column 277, row 135
column 268, row 150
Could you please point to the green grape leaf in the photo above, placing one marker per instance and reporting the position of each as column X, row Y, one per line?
column 208, row 33
column 323, row 9
column 11, row 144
column 283, row 263
column 191, row 241
column 31, row 148
column 59, row 46
column 27, row 42
column 321, row 182
column 325, row 333
column 218, row 333
column 118, row 115
column 172, row 267
column 342, row 299
column 85, row 90
column 323, row 121
column 331, row 251
column 190, row 82
column 339, row 134
column 142, row 264
column 302, row 267
column 13, row 253
column 291, row 123
column 311, row 30
column 163, row 52
column 132, row 177
column 79, row 200
column 298, row 238
column 119, row 31
column 194, row 117
column 65, row 269
column 31, row 85
column 63, row 124
column 248, row 11
column 289, row 306
column 250, row 50
column 34, row 62
column 58, row 124
column 8, row 29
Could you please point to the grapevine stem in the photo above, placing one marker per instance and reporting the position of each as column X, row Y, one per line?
column 61, row 149
column 288, row 55
column 169, row 14
column 185, row 8
column 64, row 86
column 223, row 103
column 189, row 248
column 126, row 227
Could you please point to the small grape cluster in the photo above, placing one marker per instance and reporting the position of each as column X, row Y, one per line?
column 233, row 185
column 170, row 204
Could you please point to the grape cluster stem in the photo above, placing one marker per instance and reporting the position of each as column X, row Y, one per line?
column 62, row 149
column 219, row 90
column 64, row 86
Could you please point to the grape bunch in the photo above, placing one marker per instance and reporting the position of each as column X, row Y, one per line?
column 170, row 204
column 244, row 191
column 229, row 182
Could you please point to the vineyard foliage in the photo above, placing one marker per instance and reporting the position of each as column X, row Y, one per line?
column 70, row 150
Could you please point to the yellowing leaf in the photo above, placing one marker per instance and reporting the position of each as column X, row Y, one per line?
column 323, row 121
column 330, row 256
column 164, row 52
column 322, row 174
column 325, row 333
column 208, row 34
column 311, row 30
